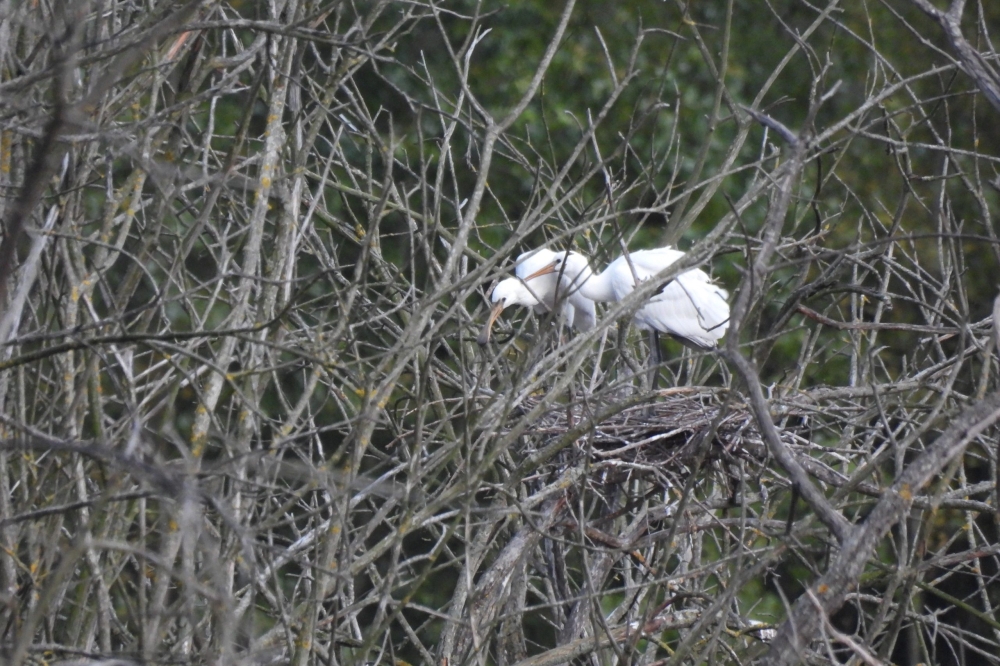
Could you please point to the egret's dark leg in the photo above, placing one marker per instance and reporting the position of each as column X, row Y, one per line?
column 569, row 387
column 655, row 359
column 570, row 393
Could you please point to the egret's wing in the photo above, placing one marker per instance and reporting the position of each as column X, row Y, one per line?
column 689, row 308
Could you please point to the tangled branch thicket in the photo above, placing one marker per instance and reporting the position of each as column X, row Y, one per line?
column 247, row 247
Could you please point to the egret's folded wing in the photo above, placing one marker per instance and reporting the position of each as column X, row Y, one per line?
column 688, row 308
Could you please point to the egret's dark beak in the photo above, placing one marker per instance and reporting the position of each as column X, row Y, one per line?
column 545, row 270
column 484, row 337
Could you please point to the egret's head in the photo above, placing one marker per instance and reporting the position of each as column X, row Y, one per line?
column 507, row 292
column 569, row 266
column 533, row 261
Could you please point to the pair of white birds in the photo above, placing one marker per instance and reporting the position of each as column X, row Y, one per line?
column 689, row 308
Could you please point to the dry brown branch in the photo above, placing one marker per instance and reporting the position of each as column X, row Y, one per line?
column 247, row 248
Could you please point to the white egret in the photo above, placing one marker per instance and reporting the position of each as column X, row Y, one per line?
column 689, row 308
column 543, row 294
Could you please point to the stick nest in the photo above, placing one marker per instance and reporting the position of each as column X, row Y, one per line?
column 678, row 428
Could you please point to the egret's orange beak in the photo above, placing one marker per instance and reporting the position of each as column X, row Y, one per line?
column 484, row 337
column 545, row 270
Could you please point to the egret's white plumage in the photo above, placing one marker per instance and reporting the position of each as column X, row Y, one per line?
column 542, row 294
column 690, row 307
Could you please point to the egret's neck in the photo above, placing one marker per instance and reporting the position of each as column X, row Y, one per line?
column 598, row 288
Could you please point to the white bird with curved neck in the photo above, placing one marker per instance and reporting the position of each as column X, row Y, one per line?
column 544, row 294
